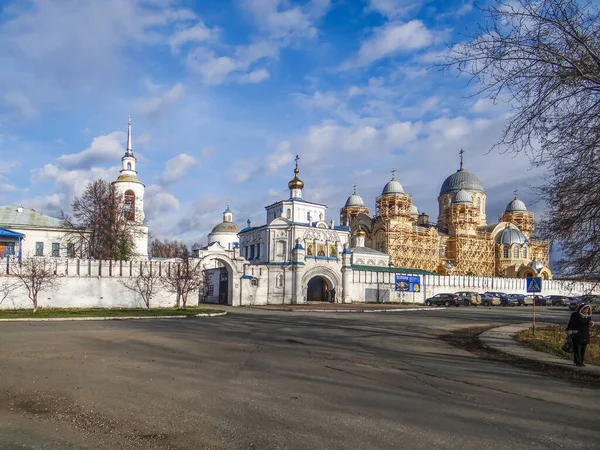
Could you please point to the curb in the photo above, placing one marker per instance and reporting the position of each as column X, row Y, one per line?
column 390, row 310
column 501, row 339
column 85, row 319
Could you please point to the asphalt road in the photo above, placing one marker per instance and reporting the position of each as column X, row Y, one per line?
column 280, row 380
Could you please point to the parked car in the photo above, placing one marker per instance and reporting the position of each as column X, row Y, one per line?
column 589, row 299
column 509, row 300
column 500, row 295
column 489, row 300
column 469, row 298
column 443, row 299
column 519, row 298
column 558, row 300
column 538, row 299
column 575, row 302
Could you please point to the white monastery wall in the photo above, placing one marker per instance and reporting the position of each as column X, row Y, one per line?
column 90, row 283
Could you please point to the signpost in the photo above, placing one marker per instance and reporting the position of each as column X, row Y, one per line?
column 534, row 285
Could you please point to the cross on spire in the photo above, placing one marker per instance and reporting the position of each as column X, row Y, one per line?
column 355, row 188
column 297, row 159
column 461, row 153
column 516, row 191
column 393, row 174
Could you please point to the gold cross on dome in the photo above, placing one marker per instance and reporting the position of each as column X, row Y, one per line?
column 297, row 159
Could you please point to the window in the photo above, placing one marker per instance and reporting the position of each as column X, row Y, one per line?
column 6, row 249
column 254, row 282
column 308, row 216
column 55, row 249
column 279, row 281
column 257, row 251
column 70, row 250
column 246, row 252
column 39, row 249
column 128, row 166
column 252, row 252
column 524, row 252
column 478, row 203
column 281, row 248
column 505, row 252
column 129, row 206
column 516, row 252
column 288, row 214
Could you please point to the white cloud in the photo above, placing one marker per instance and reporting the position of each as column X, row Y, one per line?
column 207, row 152
column 213, row 69
column 197, row 33
column 102, row 149
column 52, row 51
column 282, row 20
column 281, row 157
column 256, row 76
column 394, row 8
column 7, row 187
column 391, row 38
column 176, row 167
column 158, row 103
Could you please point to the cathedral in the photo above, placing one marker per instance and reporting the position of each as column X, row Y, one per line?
column 462, row 242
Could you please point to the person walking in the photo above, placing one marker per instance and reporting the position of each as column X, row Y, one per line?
column 327, row 294
column 332, row 295
column 579, row 331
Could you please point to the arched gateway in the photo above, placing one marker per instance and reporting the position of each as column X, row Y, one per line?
column 219, row 280
column 317, row 289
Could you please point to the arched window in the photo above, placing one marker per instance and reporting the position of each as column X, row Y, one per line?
column 281, row 248
column 524, row 252
column 516, row 252
column 128, row 166
column 505, row 252
column 478, row 203
column 288, row 213
column 308, row 216
column 279, row 281
column 129, row 205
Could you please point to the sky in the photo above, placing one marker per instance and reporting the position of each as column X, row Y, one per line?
column 223, row 94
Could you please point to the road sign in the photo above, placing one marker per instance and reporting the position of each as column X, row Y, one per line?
column 534, row 284
column 407, row 283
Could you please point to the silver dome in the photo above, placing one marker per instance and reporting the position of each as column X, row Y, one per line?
column 392, row 187
column 461, row 179
column 414, row 211
column 511, row 236
column 355, row 199
column 462, row 196
column 516, row 206
column 536, row 265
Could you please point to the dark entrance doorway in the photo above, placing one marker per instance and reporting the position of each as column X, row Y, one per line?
column 223, row 286
column 316, row 291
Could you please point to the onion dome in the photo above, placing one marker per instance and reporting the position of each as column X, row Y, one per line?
column 516, row 205
column 461, row 179
column 355, row 199
column 462, row 197
column 536, row 265
column 296, row 183
column 226, row 227
column 511, row 236
column 361, row 232
column 414, row 211
column 392, row 186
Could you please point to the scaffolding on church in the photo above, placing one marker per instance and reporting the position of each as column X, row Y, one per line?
column 415, row 249
column 473, row 255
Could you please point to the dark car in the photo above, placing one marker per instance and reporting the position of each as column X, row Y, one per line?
column 509, row 300
column 589, row 299
column 500, row 295
column 558, row 300
column 443, row 299
column 519, row 298
column 575, row 302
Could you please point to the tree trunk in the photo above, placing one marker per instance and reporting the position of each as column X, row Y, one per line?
column 184, row 300
column 35, row 304
column 177, row 301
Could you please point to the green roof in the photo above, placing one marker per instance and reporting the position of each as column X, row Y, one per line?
column 16, row 216
column 392, row 270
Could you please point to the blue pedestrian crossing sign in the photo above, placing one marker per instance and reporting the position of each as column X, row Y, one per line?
column 534, row 284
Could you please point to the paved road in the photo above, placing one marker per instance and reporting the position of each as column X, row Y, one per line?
column 281, row 380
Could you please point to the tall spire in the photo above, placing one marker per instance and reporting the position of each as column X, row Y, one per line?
column 129, row 150
column 296, row 185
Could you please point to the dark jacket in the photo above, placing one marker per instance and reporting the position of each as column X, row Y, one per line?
column 581, row 326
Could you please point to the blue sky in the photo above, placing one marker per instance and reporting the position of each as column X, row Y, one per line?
column 223, row 94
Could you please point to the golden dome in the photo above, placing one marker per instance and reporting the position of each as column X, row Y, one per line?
column 129, row 178
column 361, row 232
column 296, row 183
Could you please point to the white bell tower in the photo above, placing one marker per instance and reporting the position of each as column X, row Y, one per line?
column 129, row 186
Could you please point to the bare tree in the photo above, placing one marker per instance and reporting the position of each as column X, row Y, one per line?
column 36, row 274
column 543, row 58
column 7, row 285
column 182, row 278
column 145, row 283
column 100, row 228
column 168, row 249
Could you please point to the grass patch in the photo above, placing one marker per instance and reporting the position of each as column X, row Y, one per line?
column 49, row 313
column 551, row 340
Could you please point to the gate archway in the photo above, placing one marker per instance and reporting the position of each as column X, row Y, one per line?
column 317, row 288
column 218, row 286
